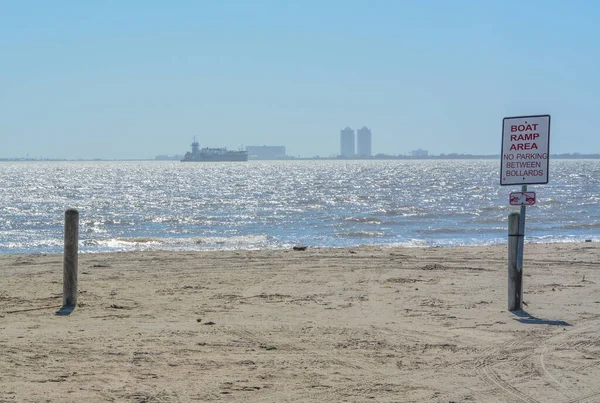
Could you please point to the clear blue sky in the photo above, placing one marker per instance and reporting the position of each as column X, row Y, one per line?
column 133, row 79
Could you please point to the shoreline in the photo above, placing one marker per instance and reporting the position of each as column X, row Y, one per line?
column 324, row 324
column 418, row 244
column 281, row 248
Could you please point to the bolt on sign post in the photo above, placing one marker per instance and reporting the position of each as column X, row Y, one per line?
column 524, row 161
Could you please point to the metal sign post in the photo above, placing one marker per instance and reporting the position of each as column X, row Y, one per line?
column 524, row 161
column 521, row 233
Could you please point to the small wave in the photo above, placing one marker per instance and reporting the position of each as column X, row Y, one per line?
column 489, row 220
column 196, row 243
column 422, row 243
column 113, row 222
column 413, row 243
column 162, row 220
column 360, row 234
column 562, row 239
column 577, row 226
column 121, row 244
column 36, row 246
column 459, row 230
column 139, row 240
column 363, row 219
column 496, row 208
column 235, row 240
column 401, row 211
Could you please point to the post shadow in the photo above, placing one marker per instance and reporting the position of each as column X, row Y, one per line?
column 527, row 318
column 65, row 310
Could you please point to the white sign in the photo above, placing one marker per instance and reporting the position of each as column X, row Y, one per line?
column 522, row 198
column 525, row 150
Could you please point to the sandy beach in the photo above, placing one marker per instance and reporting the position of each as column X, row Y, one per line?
column 356, row 325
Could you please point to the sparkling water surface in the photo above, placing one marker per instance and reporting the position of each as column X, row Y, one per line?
column 165, row 205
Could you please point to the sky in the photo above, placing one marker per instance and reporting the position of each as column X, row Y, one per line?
column 132, row 79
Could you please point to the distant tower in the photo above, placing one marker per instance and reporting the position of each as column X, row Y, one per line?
column 363, row 142
column 347, row 143
column 195, row 147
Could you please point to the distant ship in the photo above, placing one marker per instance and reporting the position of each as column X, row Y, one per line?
column 213, row 154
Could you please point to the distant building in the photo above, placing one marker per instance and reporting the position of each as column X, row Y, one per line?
column 265, row 152
column 363, row 142
column 419, row 153
column 347, row 143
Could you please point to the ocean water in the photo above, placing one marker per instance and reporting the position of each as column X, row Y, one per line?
column 165, row 205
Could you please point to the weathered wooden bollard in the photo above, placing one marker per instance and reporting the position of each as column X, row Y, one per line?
column 70, row 259
column 515, row 273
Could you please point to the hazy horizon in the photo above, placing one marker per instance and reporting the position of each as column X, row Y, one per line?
column 132, row 80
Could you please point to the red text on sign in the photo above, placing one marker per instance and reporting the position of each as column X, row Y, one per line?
column 524, row 146
column 543, row 156
column 523, row 128
column 524, row 137
column 528, row 164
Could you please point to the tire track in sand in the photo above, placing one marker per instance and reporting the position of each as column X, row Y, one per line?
column 517, row 350
column 562, row 340
column 489, row 375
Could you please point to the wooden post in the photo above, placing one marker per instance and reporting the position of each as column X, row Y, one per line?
column 70, row 258
column 515, row 274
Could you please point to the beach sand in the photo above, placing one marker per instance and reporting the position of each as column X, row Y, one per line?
column 321, row 325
